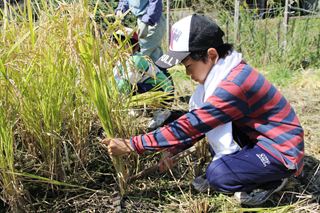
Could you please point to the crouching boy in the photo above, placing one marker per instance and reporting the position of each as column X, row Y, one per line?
column 254, row 134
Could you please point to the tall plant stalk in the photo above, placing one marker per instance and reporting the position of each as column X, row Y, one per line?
column 11, row 191
column 102, row 91
column 30, row 19
column 98, row 55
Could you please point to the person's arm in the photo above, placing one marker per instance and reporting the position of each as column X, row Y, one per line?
column 227, row 104
column 121, row 78
column 123, row 6
column 154, row 12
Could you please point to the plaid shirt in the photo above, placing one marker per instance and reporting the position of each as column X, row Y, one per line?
column 253, row 105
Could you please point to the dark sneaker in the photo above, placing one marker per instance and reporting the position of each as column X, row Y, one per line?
column 201, row 184
column 258, row 196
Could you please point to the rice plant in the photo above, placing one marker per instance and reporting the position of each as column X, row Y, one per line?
column 11, row 192
column 37, row 62
column 103, row 97
column 97, row 67
column 96, row 55
column 57, row 66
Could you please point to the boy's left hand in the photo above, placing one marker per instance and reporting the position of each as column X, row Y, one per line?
column 117, row 146
column 166, row 162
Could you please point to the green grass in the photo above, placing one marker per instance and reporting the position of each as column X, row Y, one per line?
column 279, row 74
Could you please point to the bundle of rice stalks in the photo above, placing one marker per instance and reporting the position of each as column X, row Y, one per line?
column 97, row 56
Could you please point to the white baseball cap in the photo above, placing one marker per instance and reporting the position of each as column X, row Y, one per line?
column 190, row 34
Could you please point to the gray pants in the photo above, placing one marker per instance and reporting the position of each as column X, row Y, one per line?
column 151, row 44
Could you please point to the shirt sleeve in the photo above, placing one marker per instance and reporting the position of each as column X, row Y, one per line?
column 123, row 6
column 123, row 86
column 228, row 103
column 154, row 12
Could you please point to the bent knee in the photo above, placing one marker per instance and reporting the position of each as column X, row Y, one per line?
column 220, row 184
column 220, row 179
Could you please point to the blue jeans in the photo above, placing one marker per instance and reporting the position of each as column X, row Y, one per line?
column 151, row 44
column 245, row 170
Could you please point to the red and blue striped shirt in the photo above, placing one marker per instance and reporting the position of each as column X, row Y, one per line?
column 251, row 103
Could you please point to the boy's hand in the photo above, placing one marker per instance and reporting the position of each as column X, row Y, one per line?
column 166, row 162
column 117, row 146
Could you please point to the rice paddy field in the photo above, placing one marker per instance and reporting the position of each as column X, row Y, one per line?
column 58, row 99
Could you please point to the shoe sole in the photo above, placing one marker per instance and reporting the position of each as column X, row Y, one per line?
column 238, row 198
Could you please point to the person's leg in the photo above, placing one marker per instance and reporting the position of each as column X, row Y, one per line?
column 144, row 87
column 151, row 44
column 246, row 170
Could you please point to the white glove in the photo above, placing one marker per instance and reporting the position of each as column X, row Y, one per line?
column 143, row 30
column 119, row 13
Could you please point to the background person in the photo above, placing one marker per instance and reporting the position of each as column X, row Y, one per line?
column 151, row 24
column 142, row 75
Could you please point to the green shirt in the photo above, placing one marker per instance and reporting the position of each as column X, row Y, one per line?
column 141, row 70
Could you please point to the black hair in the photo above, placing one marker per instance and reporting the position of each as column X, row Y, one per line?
column 222, row 50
